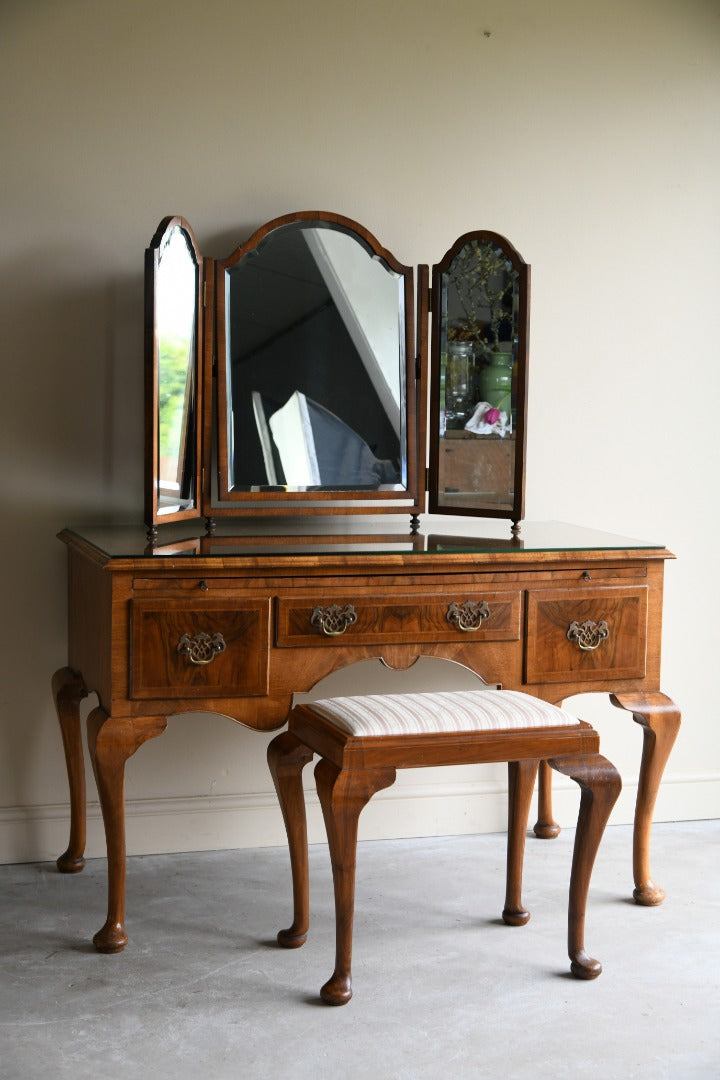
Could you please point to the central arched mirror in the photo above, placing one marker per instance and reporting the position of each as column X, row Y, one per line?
column 314, row 366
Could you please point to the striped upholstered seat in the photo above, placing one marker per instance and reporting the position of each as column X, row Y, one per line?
column 435, row 713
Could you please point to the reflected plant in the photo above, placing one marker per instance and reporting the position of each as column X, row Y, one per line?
column 484, row 281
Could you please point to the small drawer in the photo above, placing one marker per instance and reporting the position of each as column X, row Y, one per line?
column 199, row 648
column 352, row 620
column 592, row 576
column 587, row 634
column 185, row 586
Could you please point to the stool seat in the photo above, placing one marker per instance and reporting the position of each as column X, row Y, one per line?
column 362, row 741
column 370, row 715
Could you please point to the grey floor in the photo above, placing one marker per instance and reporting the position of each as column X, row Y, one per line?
column 442, row 987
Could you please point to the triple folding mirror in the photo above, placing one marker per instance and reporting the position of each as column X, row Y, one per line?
column 292, row 376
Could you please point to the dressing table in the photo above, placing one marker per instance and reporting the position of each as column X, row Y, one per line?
column 286, row 392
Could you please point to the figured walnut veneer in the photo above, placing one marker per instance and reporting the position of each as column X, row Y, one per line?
column 129, row 614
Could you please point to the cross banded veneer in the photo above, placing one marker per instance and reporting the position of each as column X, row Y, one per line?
column 362, row 741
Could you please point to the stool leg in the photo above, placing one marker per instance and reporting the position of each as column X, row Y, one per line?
column 600, row 785
column 287, row 757
column 521, row 784
column 343, row 793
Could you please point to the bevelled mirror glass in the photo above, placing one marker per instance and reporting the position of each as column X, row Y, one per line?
column 479, row 378
column 314, row 366
column 172, row 342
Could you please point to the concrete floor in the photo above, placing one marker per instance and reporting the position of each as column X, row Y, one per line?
column 442, row 987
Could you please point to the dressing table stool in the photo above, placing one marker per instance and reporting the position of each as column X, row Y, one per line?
column 363, row 740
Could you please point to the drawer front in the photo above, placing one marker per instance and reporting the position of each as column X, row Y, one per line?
column 185, row 586
column 587, row 634
column 199, row 648
column 362, row 620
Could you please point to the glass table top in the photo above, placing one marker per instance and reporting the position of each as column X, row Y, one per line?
column 257, row 538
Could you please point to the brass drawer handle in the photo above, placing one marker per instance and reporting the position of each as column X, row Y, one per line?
column 202, row 648
column 588, row 635
column 333, row 620
column 468, row 616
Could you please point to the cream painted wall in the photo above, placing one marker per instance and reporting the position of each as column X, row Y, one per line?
column 585, row 132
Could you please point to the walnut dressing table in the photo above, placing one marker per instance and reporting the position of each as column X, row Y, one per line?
column 236, row 623
column 309, row 378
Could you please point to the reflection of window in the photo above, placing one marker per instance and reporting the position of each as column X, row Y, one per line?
column 174, row 396
column 305, row 445
column 175, row 301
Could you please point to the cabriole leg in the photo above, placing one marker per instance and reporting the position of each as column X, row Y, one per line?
column 600, row 785
column 659, row 718
column 343, row 794
column 546, row 828
column 111, row 742
column 287, row 757
column 521, row 783
column 68, row 691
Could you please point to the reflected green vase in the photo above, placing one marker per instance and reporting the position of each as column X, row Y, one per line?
column 496, row 381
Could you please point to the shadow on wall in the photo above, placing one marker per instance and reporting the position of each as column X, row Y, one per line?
column 219, row 245
column 71, row 417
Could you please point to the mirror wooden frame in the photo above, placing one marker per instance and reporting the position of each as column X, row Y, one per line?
column 154, row 515
column 220, row 496
column 468, row 508
column 422, row 365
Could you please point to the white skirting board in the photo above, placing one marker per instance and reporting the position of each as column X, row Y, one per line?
column 40, row 833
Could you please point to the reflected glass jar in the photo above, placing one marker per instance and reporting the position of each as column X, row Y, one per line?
column 459, row 376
